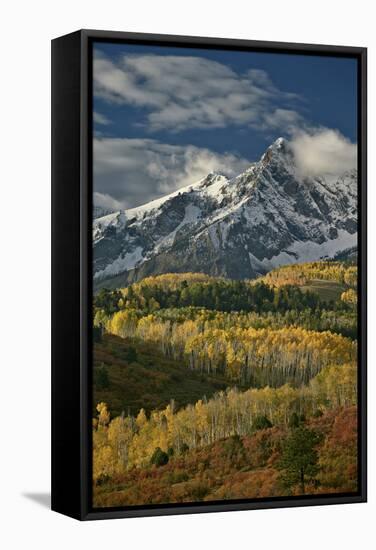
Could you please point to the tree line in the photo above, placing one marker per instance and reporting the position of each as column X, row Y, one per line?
column 340, row 321
column 345, row 273
column 219, row 294
column 126, row 441
column 244, row 355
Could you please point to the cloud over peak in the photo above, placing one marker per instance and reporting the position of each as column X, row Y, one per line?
column 130, row 172
column 323, row 151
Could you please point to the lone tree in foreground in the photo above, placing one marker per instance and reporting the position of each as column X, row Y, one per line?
column 299, row 458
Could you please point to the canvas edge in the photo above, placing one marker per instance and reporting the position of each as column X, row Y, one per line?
column 86, row 510
column 66, row 472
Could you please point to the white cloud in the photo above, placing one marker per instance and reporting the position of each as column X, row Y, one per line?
column 130, row 172
column 180, row 92
column 283, row 119
column 323, row 151
column 106, row 201
column 101, row 119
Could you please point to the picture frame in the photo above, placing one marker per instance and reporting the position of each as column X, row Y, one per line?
column 72, row 284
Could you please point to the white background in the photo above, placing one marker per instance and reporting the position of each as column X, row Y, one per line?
column 27, row 28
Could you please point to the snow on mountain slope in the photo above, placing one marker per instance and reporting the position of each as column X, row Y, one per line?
column 242, row 227
column 211, row 185
column 100, row 211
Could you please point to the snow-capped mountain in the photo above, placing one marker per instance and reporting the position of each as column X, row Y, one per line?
column 240, row 228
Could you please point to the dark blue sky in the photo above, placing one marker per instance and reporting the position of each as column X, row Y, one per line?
column 166, row 117
column 326, row 87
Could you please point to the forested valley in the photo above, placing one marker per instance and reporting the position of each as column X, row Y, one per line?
column 208, row 388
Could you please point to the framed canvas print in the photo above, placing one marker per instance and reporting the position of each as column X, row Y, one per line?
column 209, row 274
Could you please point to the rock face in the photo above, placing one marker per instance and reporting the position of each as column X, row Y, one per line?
column 239, row 228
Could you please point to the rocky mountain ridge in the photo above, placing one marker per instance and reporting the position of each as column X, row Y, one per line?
column 267, row 216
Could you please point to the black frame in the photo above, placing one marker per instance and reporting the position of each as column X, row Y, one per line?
column 72, row 277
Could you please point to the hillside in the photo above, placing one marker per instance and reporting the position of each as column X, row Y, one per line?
column 342, row 272
column 328, row 279
column 211, row 388
column 326, row 290
column 137, row 375
column 245, row 467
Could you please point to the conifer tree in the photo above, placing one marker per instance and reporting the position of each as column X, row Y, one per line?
column 298, row 462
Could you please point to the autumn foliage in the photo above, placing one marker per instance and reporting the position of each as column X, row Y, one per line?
column 250, row 390
column 248, row 469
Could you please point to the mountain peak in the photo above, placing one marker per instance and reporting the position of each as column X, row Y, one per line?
column 279, row 153
column 279, row 146
column 240, row 227
column 279, row 143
